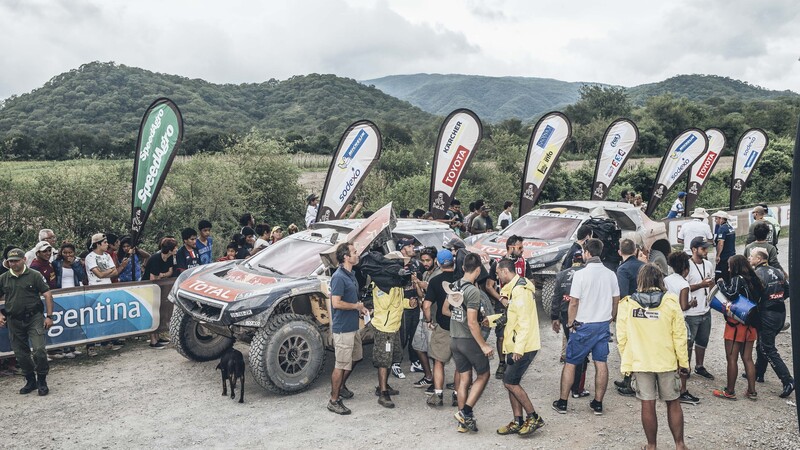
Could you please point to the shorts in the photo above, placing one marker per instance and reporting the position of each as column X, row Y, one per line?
column 422, row 337
column 588, row 338
column 652, row 385
column 439, row 346
column 347, row 348
column 740, row 333
column 514, row 372
column 468, row 355
column 386, row 349
column 699, row 329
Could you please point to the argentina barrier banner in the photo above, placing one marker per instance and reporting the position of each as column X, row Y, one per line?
column 748, row 152
column 701, row 170
column 160, row 136
column 359, row 148
column 82, row 316
column 615, row 149
column 547, row 142
column 459, row 136
column 682, row 153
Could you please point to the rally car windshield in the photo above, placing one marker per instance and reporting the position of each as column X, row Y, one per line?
column 547, row 228
column 290, row 256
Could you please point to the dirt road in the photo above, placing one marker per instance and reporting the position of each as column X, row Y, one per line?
column 142, row 398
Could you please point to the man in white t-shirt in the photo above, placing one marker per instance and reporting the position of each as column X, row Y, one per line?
column 593, row 305
column 697, row 227
column 677, row 284
column 505, row 215
column 100, row 266
column 698, row 316
column 311, row 209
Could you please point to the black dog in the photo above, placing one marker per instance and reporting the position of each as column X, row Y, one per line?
column 232, row 366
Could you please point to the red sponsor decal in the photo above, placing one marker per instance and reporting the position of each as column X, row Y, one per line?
column 196, row 286
column 702, row 172
column 249, row 278
column 456, row 166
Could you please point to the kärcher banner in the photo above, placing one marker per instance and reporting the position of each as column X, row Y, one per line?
column 459, row 136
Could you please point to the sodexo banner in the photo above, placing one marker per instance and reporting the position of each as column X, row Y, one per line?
column 86, row 316
column 701, row 170
column 359, row 148
column 682, row 153
column 751, row 146
column 615, row 149
column 547, row 142
column 459, row 136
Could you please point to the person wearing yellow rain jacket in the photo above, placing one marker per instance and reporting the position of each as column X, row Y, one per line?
column 520, row 344
column 651, row 336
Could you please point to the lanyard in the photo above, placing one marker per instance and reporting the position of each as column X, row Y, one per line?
column 705, row 289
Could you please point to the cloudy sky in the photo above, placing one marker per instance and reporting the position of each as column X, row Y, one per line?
column 624, row 42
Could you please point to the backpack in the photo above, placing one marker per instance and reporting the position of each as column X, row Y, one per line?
column 607, row 231
column 384, row 272
column 456, row 295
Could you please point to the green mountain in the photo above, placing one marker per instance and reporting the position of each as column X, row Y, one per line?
column 109, row 99
column 495, row 99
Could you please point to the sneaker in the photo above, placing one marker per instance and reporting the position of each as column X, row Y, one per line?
column 700, row 370
column 583, row 393
column 626, row 391
column 345, row 393
column 461, row 428
column 423, row 382
column 389, row 389
column 397, row 371
column 531, row 425
column 416, row 366
column 467, row 421
column 156, row 346
column 560, row 406
column 455, row 400
column 451, row 386
column 501, row 370
column 759, row 378
column 338, row 407
column 116, row 347
column 788, row 388
column 430, row 390
column 751, row 395
column 57, row 355
column 385, row 401
column 91, row 351
column 435, row 400
column 512, row 428
column 69, row 355
column 77, row 352
column 597, row 407
column 164, row 341
column 689, row 399
column 723, row 393
column 620, row 384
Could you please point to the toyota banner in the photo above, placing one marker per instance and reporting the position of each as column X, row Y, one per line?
column 547, row 142
column 459, row 136
column 702, row 169
column 748, row 153
column 359, row 149
column 683, row 152
column 618, row 143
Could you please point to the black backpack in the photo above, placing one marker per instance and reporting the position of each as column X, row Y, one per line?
column 385, row 273
column 607, row 231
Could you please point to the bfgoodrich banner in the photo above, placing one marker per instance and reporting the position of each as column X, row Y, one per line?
column 616, row 148
column 160, row 136
column 459, row 136
column 546, row 144
column 700, row 170
column 359, row 149
column 683, row 152
column 99, row 314
column 748, row 153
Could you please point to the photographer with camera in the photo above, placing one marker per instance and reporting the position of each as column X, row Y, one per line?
column 520, row 345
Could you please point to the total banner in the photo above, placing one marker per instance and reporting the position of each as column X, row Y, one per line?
column 748, row 152
column 160, row 136
column 618, row 143
column 459, row 136
column 93, row 315
column 547, row 142
column 700, row 171
column 359, row 149
column 684, row 151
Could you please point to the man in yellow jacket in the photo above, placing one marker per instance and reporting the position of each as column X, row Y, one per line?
column 651, row 336
column 520, row 344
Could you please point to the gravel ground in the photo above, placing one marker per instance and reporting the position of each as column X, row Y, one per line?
column 143, row 398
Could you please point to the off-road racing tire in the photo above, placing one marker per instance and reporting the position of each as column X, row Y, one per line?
column 546, row 285
column 193, row 341
column 288, row 354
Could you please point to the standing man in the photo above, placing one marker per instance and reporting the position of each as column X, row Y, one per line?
column 627, row 272
column 311, row 210
column 345, row 310
column 584, row 233
column 469, row 349
column 187, row 256
column 422, row 336
column 45, row 234
column 387, row 350
column 520, row 346
column 204, row 242
column 725, row 241
column 482, row 222
column 759, row 215
column 560, row 316
column 505, row 215
column 677, row 207
column 772, row 310
column 21, row 287
column 437, row 318
column 411, row 306
column 455, row 217
column 761, row 233
column 698, row 316
column 697, row 227
column 592, row 306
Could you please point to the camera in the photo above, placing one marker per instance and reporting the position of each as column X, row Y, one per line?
column 501, row 321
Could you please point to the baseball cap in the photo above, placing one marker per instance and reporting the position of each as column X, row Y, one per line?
column 403, row 242
column 577, row 256
column 15, row 254
column 445, row 258
column 311, row 198
column 485, row 208
column 276, row 228
column 681, row 194
column 454, row 243
column 699, row 241
column 42, row 246
column 98, row 237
